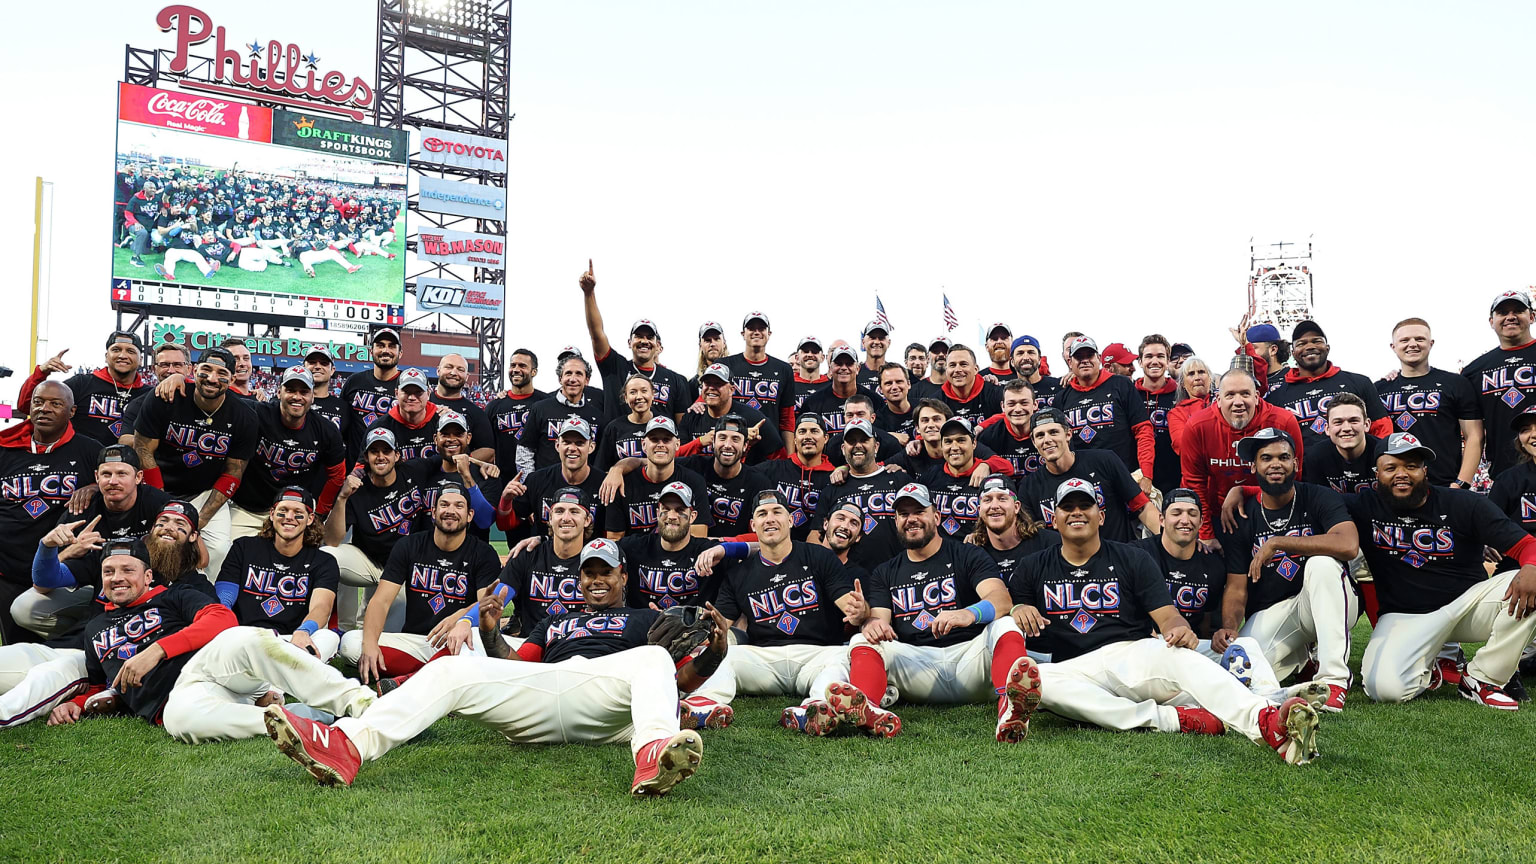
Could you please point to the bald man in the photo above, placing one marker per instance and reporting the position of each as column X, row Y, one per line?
column 452, row 378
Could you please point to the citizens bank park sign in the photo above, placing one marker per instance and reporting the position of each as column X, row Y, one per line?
column 461, row 247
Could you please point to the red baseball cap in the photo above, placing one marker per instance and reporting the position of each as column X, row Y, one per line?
column 1116, row 352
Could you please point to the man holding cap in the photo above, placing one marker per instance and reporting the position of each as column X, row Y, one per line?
column 1090, row 603
column 1287, row 555
column 379, row 503
column 278, row 579
column 1504, row 378
column 412, row 419
column 1439, row 407
column 767, row 384
column 453, row 467
column 1118, row 495
column 875, row 340
column 536, row 442
column 1315, row 381
column 99, row 395
column 938, row 628
column 294, row 447
column 717, row 399
column 672, row 391
column 1208, row 450
column 532, row 498
column 1026, row 360
column 1426, row 555
column 320, row 363
column 369, row 395
column 200, row 444
column 808, row 375
column 1106, row 412
column 999, row 345
column 632, row 500
column 66, row 569
column 585, row 675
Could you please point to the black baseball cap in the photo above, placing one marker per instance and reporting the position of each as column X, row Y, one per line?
column 1181, row 495
column 295, row 493
column 998, row 483
column 1250, row 446
column 1049, row 415
column 181, row 509
column 118, row 453
column 451, row 489
column 124, row 337
column 1180, row 349
column 732, row 421
column 569, row 495
column 217, row 356
column 1305, row 327
column 769, row 496
column 123, row 546
column 1524, row 417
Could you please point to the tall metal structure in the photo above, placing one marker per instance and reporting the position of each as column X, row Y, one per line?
column 1280, row 284
column 446, row 64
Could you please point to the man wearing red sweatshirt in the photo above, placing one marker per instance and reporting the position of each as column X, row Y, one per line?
column 1159, row 393
column 1314, row 382
column 1209, row 449
column 1106, row 412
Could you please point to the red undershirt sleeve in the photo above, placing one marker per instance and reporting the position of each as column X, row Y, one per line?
column 530, row 652
column 1146, row 447
column 209, row 622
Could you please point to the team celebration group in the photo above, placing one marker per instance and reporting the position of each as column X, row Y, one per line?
column 1150, row 540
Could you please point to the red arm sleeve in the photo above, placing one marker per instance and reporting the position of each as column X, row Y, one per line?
column 1524, row 551
column 210, row 621
column 335, row 475
column 1380, row 428
column 787, row 417
column 1135, row 505
column 692, row 448
column 530, row 652
column 999, row 465
column 1146, row 447
column 24, row 398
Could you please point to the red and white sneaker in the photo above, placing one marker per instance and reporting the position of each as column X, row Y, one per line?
column 1198, row 721
column 1484, row 693
column 1291, row 729
column 815, row 718
column 1021, row 696
column 699, row 712
column 666, row 762
column 353, row 269
column 851, row 706
column 323, row 750
column 1335, row 702
column 1445, row 671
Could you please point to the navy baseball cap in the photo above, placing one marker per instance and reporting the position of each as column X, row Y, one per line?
column 1403, row 444
column 1024, row 340
column 118, row 453
column 1180, row 349
column 1524, row 417
column 1263, row 333
column 295, row 493
column 1250, row 446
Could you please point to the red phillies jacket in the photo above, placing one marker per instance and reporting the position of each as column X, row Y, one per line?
column 1208, row 455
column 1179, row 417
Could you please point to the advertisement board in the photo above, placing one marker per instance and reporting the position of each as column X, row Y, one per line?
column 462, row 150
column 455, row 297
column 462, row 198
column 461, row 247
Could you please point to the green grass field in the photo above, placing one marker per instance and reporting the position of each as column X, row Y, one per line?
column 380, row 280
column 1438, row 779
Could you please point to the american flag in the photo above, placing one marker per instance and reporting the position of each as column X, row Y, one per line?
column 880, row 314
column 950, row 321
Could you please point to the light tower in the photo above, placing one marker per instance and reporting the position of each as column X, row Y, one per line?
column 1279, row 284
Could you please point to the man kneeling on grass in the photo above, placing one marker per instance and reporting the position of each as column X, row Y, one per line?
column 591, row 675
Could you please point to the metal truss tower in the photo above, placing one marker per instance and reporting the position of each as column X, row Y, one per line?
column 1280, row 284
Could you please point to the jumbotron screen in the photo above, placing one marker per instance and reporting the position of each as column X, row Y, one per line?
column 238, row 212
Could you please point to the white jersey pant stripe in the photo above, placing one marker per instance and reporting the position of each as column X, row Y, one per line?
column 212, row 697
column 787, row 670
column 1322, row 614
column 960, row 673
column 1135, row 685
column 1403, row 647
column 631, row 694
column 34, row 679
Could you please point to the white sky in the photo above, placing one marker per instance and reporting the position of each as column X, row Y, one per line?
column 1098, row 167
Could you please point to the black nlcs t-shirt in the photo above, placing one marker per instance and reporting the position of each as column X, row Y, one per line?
column 955, row 499
column 1431, row 407
column 117, row 634
column 1008, row 560
column 129, row 525
column 99, row 405
column 438, row 583
column 1047, row 391
column 1108, row 599
column 332, row 408
column 875, row 496
column 1514, row 493
column 672, row 396
column 367, row 399
column 665, row 578
column 275, row 589
column 1326, row 466
column 380, row 515
column 1019, row 451
column 288, row 457
column 768, row 386
column 916, row 592
column 1317, row 510
column 1111, row 481
column 789, row 603
column 729, row 501
column 1309, row 399
column 593, row 634
column 636, row 510
column 195, row 446
column 620, row 439
column 432, row 479
column 1167, row 472
column 542, row 425
column 1425, row 558
column 532, row 507
column 801, row 488
column 769, row 441
column 508, row 414
column 1505, row 383
column 1105, row 417
column 34, row 487
column 1196, row 584
column 480, row 434
column 543, row 584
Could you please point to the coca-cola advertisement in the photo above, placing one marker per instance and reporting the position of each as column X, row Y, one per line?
column 189, row 112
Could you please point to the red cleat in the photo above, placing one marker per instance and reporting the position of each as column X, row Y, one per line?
column 1486, row 694
column 1291, row 730
column 666, row 762
column 851, row 706
column 1021, row 696
column 1198, row 721
column 700, row 712
column 1335, row 703
column 815, row 718
column 353, row 269
column 1445, row 671
column 323, row 750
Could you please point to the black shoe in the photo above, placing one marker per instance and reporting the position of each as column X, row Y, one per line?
column 1515, row 689
column 136, row 261
column 1528, row 666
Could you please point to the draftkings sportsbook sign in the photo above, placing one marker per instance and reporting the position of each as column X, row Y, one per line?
column 341, row 137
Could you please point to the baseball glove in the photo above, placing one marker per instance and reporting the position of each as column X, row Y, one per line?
column 681, row 630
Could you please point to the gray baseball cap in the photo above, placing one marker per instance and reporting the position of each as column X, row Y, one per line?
column 579, row 425
column 914, row 492
column 299, row 374
column 414, row 378
column 841, row 350
column 681, row 490
column 602, row 550
column 663, row 424
column 716, row 370
column 1076, row 486
column 1402, row 444
column 450, row 417
column 377, row 435
column 862, row 426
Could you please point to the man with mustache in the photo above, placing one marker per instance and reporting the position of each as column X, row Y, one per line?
column 1208, row 449
column 368, row 395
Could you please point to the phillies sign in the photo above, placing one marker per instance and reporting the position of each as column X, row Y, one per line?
column 200, row 114
column 275, row 67
column 462, row 150
column 460, row 247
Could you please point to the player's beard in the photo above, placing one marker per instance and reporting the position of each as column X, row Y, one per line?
column 929, row 532
column 1410, row 502
column 170, row 559
column 1275, row 490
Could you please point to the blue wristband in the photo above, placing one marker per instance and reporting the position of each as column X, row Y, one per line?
column 309, row 627
column 472, row 616
column 983, row 611
column 736, row 551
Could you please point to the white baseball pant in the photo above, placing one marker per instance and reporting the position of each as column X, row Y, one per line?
column 413, row 644
column 631, row 694
column 34, row 679
column 213, row 696
column 215, row 534
column 1403, row 647
column 782, row 670
column 960, row 673
column 39, row 612
column 1261, row 675
column 1322, row 615
column 357, row 572
column 1138, row 685
column 244, row 523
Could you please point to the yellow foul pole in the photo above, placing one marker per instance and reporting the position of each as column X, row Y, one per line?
column 37, row 268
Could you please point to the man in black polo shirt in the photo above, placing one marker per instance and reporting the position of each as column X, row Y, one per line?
column 1094, row 605
column 1425, row 549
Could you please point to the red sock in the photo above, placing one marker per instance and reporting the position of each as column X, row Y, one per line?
column 1368, row 599
column 397, row 662
column 1009, row 647
column 866, row 671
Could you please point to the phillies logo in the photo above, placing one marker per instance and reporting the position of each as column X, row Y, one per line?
column 194, row 110
column 438, row 145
